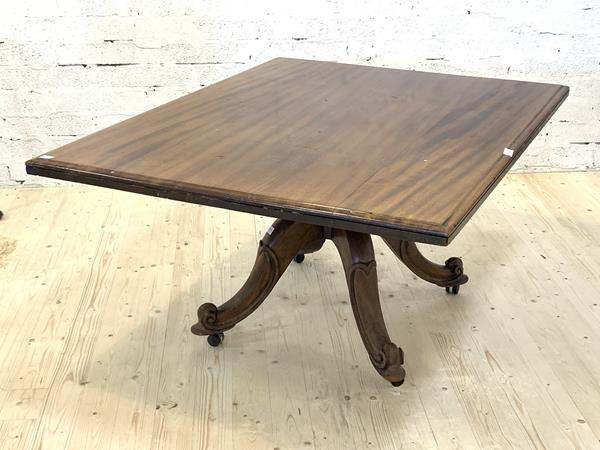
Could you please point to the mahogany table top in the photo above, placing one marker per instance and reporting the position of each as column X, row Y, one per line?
column 400, row 153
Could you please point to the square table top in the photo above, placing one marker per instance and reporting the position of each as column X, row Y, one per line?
column 400, row 153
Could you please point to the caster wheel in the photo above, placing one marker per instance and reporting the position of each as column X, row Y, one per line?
column 452, row 289
column 397, row 383
column 299, row 258
column 214, row 340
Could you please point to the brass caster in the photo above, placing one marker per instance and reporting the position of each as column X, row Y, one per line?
column 452, row 289
column 214, row 340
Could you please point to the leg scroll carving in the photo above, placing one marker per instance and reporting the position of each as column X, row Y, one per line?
column 449, row 276
column 276, row 250
column 356, row 251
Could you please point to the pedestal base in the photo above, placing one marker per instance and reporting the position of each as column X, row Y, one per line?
column 286, row 241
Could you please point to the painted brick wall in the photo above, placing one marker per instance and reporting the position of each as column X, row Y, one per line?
column 71, row 67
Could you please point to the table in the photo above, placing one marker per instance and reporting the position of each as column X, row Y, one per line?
column 333, row 151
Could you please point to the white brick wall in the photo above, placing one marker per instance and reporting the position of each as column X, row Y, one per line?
column 71, row 67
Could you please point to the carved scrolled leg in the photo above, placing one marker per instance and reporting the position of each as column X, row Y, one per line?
column 356, row 251
column 450, row 275
column 279, row 246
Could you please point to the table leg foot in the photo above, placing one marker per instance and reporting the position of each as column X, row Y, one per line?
column 279, row 246
column 311, row 247
column 449, row 276
column 356, row 251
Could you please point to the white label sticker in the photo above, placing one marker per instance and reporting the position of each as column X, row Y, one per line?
column 508, row 152
column 46, row 157
column 270, row 230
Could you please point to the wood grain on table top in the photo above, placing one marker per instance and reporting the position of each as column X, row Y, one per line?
column 384, row 151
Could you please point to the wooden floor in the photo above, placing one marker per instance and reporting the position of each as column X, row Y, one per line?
column 98, row 290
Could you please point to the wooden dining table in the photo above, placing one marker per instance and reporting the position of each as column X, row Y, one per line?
column 332, row 151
